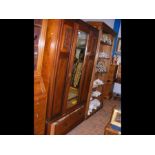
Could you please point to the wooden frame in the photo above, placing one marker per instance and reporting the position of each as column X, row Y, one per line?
column 40, row 94
column 114, row 118
column 108, row 130
column 41, row 45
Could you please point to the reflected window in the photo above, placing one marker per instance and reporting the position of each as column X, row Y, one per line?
column 77, row 69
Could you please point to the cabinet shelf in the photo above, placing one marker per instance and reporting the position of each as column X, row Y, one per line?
column 103, row 58
column 100, row 73
column 104, row 43
column 97, row 86
column 96, row 96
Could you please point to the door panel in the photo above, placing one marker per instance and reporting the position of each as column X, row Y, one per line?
column 62, row 69
column 90, row 56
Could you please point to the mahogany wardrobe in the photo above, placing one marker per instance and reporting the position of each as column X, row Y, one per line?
column 67, row 64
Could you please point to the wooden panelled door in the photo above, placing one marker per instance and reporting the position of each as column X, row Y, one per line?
column 90, row 57
column 67, row 37
column 75, row 76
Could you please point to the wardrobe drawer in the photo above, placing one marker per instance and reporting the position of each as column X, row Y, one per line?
column 76, row 116
column 62, row 126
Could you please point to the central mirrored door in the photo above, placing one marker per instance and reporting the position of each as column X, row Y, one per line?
column 75, row 82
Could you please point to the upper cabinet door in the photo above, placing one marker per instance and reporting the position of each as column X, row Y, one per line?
column 40, row 27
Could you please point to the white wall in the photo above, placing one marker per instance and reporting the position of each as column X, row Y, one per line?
column 119, row 33
column 109, row 22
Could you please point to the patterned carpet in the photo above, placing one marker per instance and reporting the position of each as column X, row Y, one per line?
column 95, row 124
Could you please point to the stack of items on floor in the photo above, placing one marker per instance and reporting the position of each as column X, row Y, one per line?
column 95, row 103
column 117, row 90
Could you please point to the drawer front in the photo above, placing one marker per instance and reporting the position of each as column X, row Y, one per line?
column 76, row 116
column 62, row 126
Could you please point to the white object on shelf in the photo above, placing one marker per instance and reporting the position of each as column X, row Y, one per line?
column 117, row 88
column 103, row 55
column 97, row 82
column 100, row 67
column 94, row 104
column 106, row 39
column 96, row 93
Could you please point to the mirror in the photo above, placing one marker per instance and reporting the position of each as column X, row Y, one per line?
column 77, row 69
column 37, row 31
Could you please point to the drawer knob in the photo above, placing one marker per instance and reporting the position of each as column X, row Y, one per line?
column 37, row 115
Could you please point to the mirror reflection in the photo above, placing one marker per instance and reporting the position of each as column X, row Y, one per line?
column 77, row 69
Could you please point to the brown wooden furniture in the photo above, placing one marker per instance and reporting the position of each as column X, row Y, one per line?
column 67, row 67
column 40, row 96
column 108, row 87
column 104, row 47
column 110, row 131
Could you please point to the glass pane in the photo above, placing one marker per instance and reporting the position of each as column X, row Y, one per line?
column 77, row 69
column 37, row 31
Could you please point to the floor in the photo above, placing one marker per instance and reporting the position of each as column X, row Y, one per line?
column 95, row 124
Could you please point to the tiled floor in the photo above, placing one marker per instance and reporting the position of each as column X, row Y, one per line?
column 95, row 124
